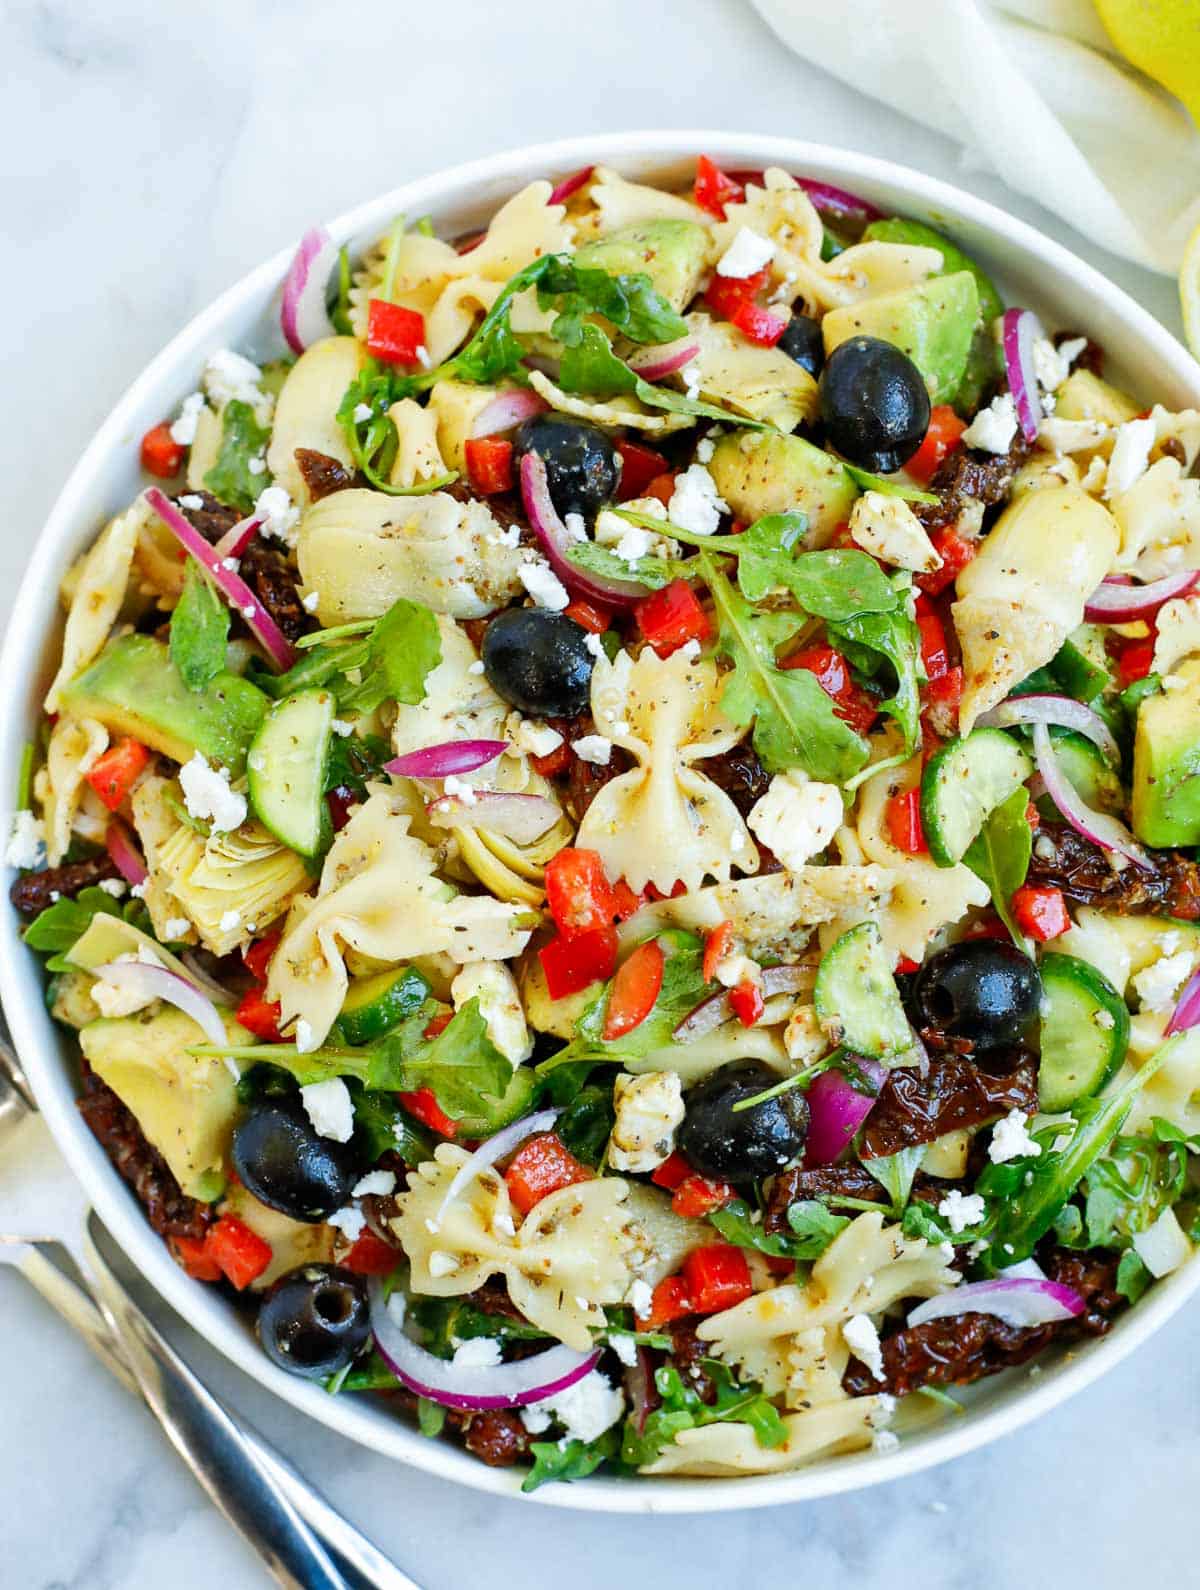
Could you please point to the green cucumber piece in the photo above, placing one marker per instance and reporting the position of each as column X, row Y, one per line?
column 495, row 1113
column 1087, row 770
column 1085, row 1031
column 856, row 998
column 1080, row 665
column 286, row 770
column 376, row 1004
column 962, row 784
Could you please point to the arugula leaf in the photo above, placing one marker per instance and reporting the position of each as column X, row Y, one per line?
column 651, row 572
column 340, row 313
column 369, row 1373
column 794, row 720
column 403, row 649
column 814, row 1225
column 999, row 854
column 1132, row 1276
column 460, row 1064
column 353, row 759
column 590, row 366
column 243, row 441
column 54, row 930
column 835, row 584
column 629, row 301
column 663, row 397
column 372, row 437
column 895, row 1173
column 446, row 1321
column 586, row 1124
column 894, row 636
column 199, row 630
column 383, row 1127
column 569, row 1460
column 866, row 481
column 680, row 1408
column 431, row 1418
column 1133, row 1183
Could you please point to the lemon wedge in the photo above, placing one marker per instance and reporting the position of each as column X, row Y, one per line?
column 1162, row 39
column 1189, row 292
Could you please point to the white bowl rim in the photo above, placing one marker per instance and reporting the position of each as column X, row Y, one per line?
column 21, row 979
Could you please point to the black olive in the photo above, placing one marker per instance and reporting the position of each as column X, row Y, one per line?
column 981, row 989
column 285, row 1163
column 539, row 662
column 803, row 342
column 314, row 1320
column 875, row 404
column 740, row 1145
column 582, row 465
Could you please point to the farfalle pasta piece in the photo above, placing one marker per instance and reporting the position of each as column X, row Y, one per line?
column 725, row 1451
column 306, row 411
column 97, row 586
column 1159, row 519
column 616, row 202
column 664, row 821
column 616, row 412
column 418, row 456
column 75, row 743
column 379, row 896
column 569, row 1256
column 762, row 383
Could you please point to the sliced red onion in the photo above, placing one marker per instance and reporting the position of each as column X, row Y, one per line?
column 1021, row 329
column 714, row 1011
column 156, row 982
column 439, row 761
column 554, row 540
column 1187, row 1008
column 238, row 537
column 303, row 315
column 1017, row 1300
column 652, row 364
column 1062, row 711
column 570, row 185
column 206, row 984
column 1110, row 833
column 473, row 1386
column 507, row 410
column 231, row 586
column 837, row 1109
column 123, row 853
column 496, row 1148
column 828, row 200
column 1116, row 601
column 521, row 818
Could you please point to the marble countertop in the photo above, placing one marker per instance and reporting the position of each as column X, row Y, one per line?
column 152, row 154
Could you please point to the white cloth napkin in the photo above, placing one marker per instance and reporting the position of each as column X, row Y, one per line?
column 1032, row 88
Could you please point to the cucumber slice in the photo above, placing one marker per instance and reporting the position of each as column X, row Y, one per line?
column 964, row 782
column 1088, row 772
column 1085, row 1031
column 286, row 770
column 374, row 1005
column 496, row 1113
column 856, row 997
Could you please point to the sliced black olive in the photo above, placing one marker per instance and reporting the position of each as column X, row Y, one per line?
column 874, row 403
column 286, row 1164
column 981, row 989
column 803, row 342
column 742, row 1145
column 582, row 464
column 539, row 662
column 315, row 1320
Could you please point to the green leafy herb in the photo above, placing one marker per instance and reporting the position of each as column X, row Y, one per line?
column 1129, row 1188
column 459, row 1065
column 383, row 1126
column 569, row 1460
column 371, row 436
column 243, row 442
column 25, row 776
column 680, row 1409
column 431, row 1417
column 340, row 313
column 652, row 572
column 353, row 759
column 814, row 1227
column 585, row 1125
column 446, row 1321
column 1132, row 1276
column 999, row 854
column 403, row 649
column 628, row 301
column 56, row 929
column 199, row 630
column 866, row 481
column 892, row 635
column 369, row 1373
column 835, row 584
column 895, row 1173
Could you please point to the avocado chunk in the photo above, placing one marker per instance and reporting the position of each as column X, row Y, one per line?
column 934, row 323
column 1166, row 763
column 185, row 1104
column 759, row 472
column 134, row 688
column 673, row 254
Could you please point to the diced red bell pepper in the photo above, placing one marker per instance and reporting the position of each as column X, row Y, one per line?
column 371, row 1255
column 554, row 762
column 114, row 774
column 162, row 455
column 669, row 618
column 578, row 895
column 672, row 1172
column 423, row 1106
column 540, row 1167
column 634, row 991
column 1041, row 912
column 935, row 655
column 943, row 434
column 989, row 926
column 717, row 1277
column 759, row 324
column 947, row 689
column 489, row 464
column 257, row 957
column 1135, row 661
column 661, row 488
column 955, row 552
column 438, row 1024
column 725, row 295
column 260, row 1016
column 906, row 965
column 395, row 335
column 589, row 615
column 903, row 816
column 639, row 466
column 625, row 902
column 192, row 1255
column 714, row 188
column 716, row 947
column 851, row 702
column 241, row 1253
column 747, row 1001
column 669, row 1301
column 577, row 962
column 699, row 1195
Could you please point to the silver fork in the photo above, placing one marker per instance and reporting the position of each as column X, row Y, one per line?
column 299, row 1536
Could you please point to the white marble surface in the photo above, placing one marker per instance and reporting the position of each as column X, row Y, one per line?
column 152, row 152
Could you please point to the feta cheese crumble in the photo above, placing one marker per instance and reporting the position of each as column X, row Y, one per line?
column 1130, row 456
column 862, row 1339
column 960, row 1210
column 230, row 377
column 382, row 1182
column 183, row 429
column 1158, row 984
column 176, row 927
column 585, row 1410
column 1011, row 1139
column 649, row 1108
column 993, row 428
column 278, row 513
column 797, row 817
column 593, row 748
column 695, row 503
column 349, row 1221
column 478, row 1352
column 230, row 922
column 330, row 1109
column 306, row 1038
column 311, row 602
column 26, row 846
column 634, row 544
column 640, row 1298
column 208, row 797
column 547, row 590
column 746, row 255
column 535, row 739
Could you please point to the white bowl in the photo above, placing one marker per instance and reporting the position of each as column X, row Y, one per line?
column 1031, row 270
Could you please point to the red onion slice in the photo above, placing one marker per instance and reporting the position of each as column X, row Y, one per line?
column 238, row 537
column 123, row 853
column 1187, row 1008
column 1021, row 329
column 1118, row 602
column 570, row 185
column 206, row 984
column 1102, row 829
column 837, row 1109
column 231, row 586
column 1017, row 1300
column 554, row 541
column 303, row 315
column 156, row 982
column 521, row 818
column 828, row 200
column 714, row 1011
column 439, row 761
column 652, row 364
column 508, row 410
column 1062, row 711
column 473, row 1386
column 496, row 1148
